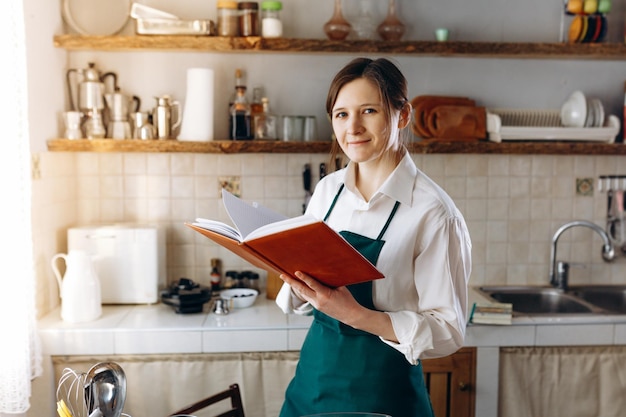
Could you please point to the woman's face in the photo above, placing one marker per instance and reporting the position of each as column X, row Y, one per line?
column 359, row 122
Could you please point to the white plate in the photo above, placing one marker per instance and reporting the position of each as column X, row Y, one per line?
column 574, row 110
column 96, row 17
column 599, row 112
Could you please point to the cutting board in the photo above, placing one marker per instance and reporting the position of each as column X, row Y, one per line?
column 424, row 105
column 458, row 122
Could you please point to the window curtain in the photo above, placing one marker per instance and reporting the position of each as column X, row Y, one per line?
column 20, row 353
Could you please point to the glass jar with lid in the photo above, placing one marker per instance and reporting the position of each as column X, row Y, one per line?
column 248, row 18
column 227, row 18
column 271, row 24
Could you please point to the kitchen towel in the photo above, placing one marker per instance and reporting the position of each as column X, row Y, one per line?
column 197, row 123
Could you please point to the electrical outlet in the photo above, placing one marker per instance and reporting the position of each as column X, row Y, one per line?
column 232, row 184
column 35, row 169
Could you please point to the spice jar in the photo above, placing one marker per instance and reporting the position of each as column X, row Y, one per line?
column 271, row 25
column 227, row 18
column 248, row 18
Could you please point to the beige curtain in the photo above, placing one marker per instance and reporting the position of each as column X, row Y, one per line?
column 161, row 384
column 563, row 382
column 20, row 356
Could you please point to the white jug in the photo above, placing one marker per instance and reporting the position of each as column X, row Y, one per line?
column 81, row 298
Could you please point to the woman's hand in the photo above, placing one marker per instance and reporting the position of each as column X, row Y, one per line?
column 338, row 303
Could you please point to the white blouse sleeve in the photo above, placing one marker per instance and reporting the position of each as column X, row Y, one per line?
column 442, row 271
column 288, row 302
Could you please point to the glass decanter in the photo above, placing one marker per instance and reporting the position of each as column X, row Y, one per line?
column 391, row 29
column 337, row 28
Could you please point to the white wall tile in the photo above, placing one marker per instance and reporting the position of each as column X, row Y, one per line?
column 182, row 164
column 111, row 164
column 512, row 204
column 135, row 163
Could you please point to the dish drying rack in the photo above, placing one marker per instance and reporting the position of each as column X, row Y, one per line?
column 544, row 125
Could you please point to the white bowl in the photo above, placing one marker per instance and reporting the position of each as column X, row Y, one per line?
column 574, row 110
column 240, row 297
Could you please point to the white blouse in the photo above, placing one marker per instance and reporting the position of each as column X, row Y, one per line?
column 426, row 258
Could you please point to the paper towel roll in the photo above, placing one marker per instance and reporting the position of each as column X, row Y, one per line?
column 197, row 124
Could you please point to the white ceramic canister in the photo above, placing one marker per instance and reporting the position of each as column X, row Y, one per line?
column 81, row 297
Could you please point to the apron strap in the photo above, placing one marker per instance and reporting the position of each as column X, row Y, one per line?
column 332, row 206
column 393, row 212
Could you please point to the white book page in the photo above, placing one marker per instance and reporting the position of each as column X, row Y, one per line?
column 218, row 227
column 287, row 224
column 248, row 217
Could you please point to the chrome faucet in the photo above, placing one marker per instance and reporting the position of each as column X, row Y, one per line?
column 559, row 274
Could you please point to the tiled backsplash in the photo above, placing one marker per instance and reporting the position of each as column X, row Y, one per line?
column 513, row 204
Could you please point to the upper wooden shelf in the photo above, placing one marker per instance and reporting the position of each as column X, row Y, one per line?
column 603, row 51
column 254, row 146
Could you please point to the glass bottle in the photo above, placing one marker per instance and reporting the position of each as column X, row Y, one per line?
column 266, row 123
column 364, row 25
column 216, row 277
column 253, row 281
column 239, row 125
column 391, row 29
column 227, row 19
column 256, row 107
column 271, row 25
column 337, row 28
column 230, row 277
column 243, row 279
column 248, row 18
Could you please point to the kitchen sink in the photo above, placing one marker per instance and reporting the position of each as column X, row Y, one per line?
column 608, row 297
column 538, row 300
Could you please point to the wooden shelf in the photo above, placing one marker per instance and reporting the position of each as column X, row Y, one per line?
column 253, row 146
column 592, row 51
column 602, row 51
column 214, row 146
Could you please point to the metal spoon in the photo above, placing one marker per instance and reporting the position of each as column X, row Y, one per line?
column 106, row 389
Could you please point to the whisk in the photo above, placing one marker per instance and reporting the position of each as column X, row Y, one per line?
column 70, row 394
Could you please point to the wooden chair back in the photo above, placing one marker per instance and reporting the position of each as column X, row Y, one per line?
column 233, row 393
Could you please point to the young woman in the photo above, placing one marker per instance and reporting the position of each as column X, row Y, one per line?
column 363, row 350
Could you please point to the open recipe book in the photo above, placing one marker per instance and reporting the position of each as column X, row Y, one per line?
column 276, row 243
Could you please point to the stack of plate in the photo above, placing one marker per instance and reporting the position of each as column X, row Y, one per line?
column 585, row 29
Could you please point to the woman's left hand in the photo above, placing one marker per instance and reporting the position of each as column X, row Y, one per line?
column 337, row 303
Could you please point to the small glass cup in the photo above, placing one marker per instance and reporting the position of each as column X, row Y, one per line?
column 293, row 128
column 310, row 129
column 441, row 34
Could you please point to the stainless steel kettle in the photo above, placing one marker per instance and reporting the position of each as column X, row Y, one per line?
column 86, row 88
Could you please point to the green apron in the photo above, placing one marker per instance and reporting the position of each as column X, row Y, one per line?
column 349, row 370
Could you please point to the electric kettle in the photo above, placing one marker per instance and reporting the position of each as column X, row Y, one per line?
column 81, row 297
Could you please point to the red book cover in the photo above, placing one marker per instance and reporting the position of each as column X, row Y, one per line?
column 285, row 246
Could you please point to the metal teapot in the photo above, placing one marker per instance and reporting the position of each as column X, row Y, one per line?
column 120, row 105
column 163, row 117
column 118, row 110
column 87, row 86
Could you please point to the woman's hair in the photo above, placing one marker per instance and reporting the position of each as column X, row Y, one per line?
column 381, row 72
